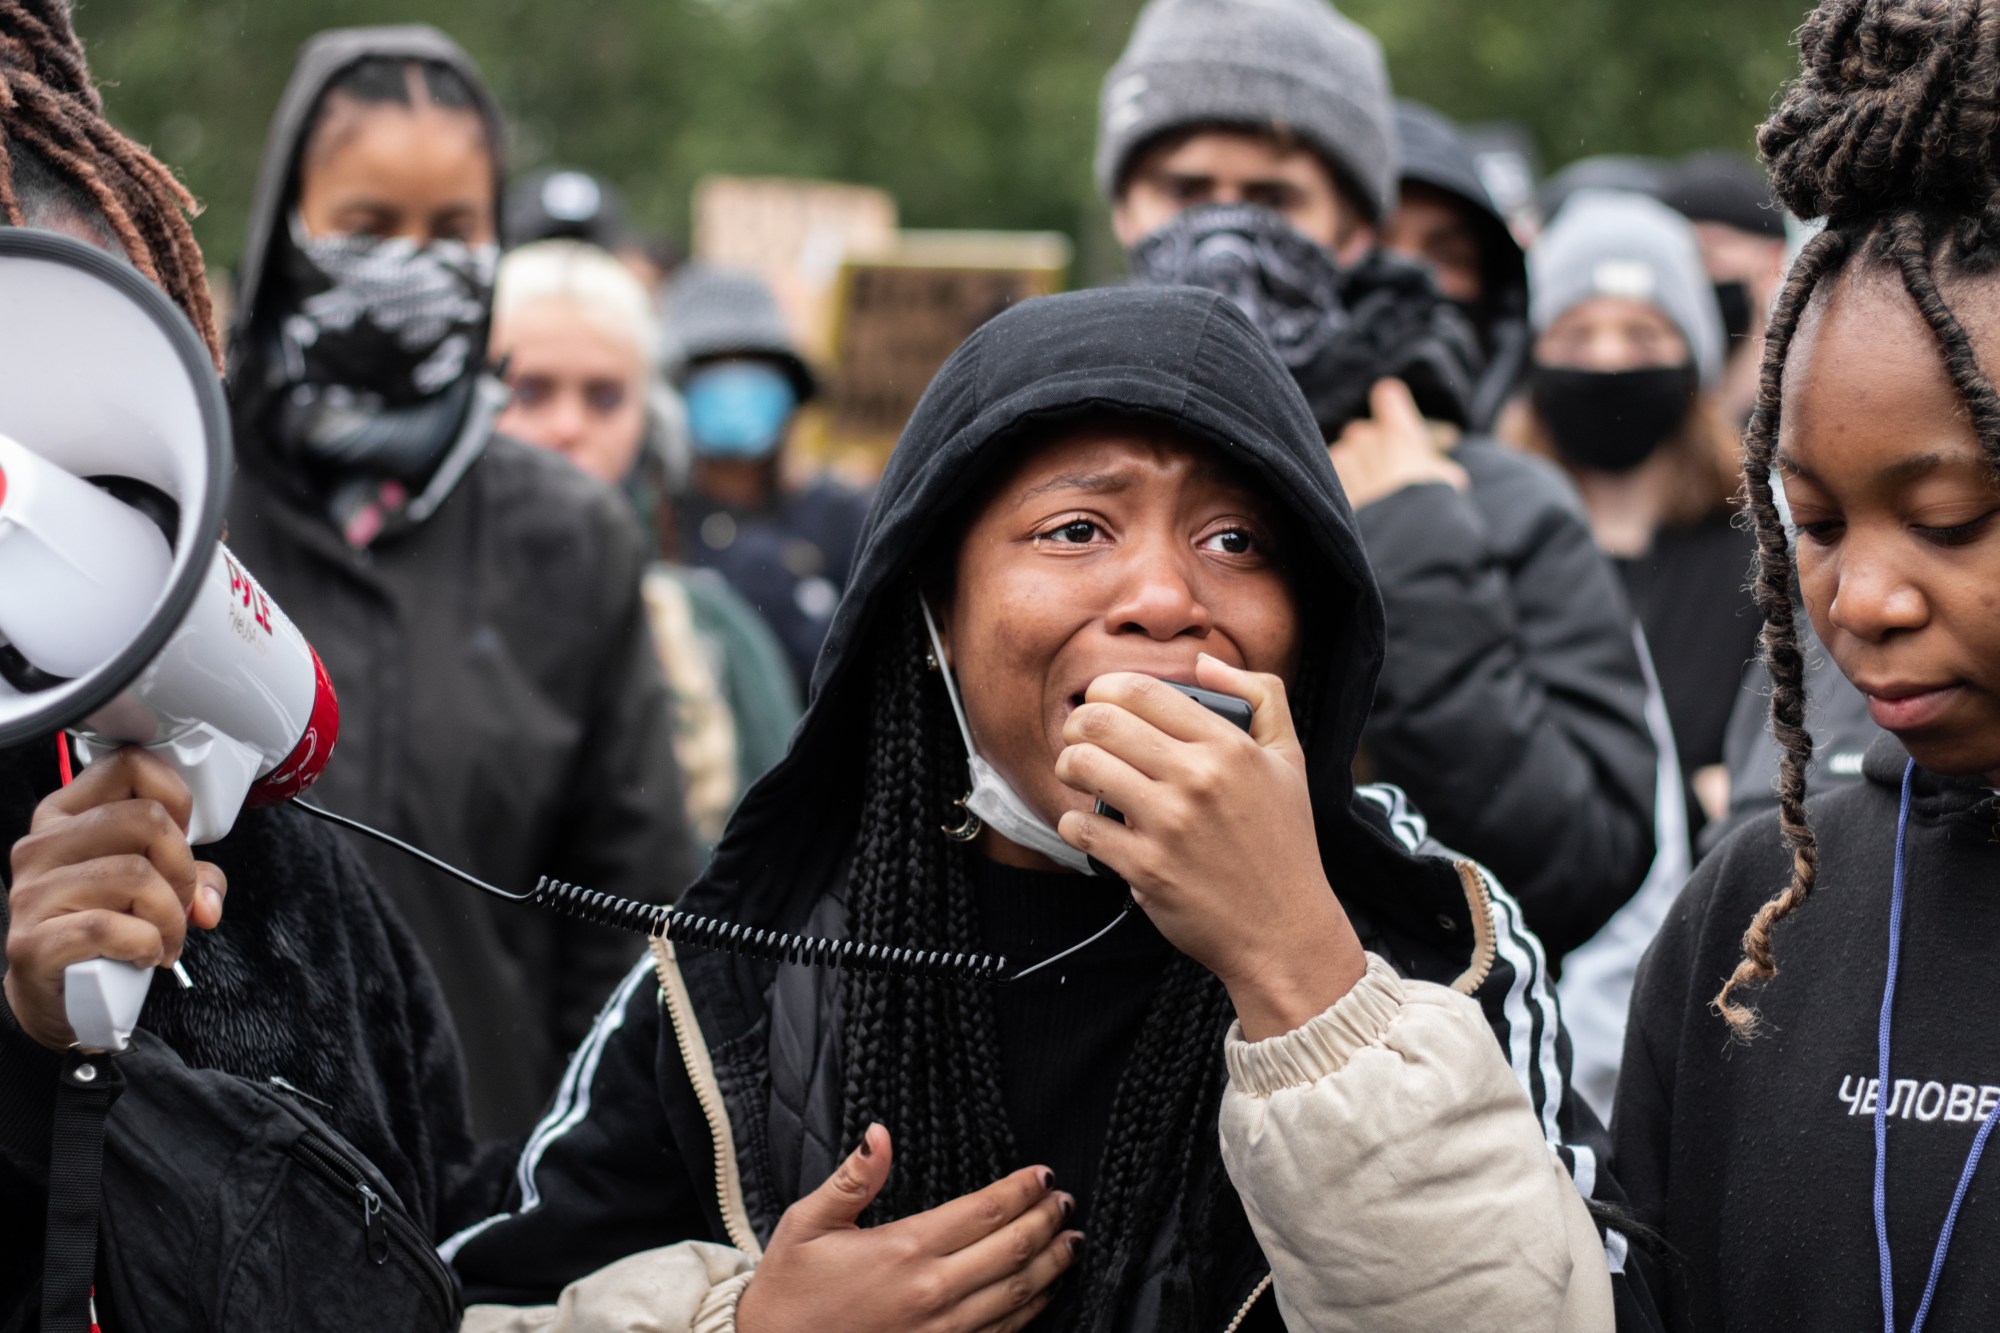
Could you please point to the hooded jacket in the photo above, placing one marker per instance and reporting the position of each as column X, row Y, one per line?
column 501, row 705
column 733, row 1067
column 1436, row 154
column 1756, row 1162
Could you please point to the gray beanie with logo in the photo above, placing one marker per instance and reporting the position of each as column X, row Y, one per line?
column 1290, row 63
column 1615, row 243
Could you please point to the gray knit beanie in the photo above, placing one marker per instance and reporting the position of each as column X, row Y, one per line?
column 1291, row 63
column 715, row 312
column 1613, row 243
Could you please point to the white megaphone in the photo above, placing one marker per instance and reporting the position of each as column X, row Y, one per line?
column 123, row 619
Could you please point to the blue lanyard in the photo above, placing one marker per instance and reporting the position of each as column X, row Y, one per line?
column 1881, row 1110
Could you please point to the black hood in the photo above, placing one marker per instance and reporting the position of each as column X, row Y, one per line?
column 322, row 60
column 1179, row 356
column 1435, row 153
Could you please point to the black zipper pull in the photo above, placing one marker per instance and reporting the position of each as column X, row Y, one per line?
column 371, row 1219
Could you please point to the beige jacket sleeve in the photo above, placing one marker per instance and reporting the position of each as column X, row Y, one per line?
column 687, row 1288
column 1397, row 1177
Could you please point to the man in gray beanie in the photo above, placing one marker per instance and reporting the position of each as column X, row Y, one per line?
column 1250, row 146
column 1282, row 103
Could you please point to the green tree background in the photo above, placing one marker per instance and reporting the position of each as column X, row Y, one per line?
column 973, row 113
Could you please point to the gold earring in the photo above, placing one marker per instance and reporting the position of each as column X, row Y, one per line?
column 967, row 830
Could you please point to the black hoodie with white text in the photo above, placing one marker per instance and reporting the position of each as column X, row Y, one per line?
column 1756, row 1160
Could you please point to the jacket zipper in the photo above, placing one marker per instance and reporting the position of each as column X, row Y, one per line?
column 1484, row 948
column 1243, row 1310
column 378, row 1224
column 701, row 1077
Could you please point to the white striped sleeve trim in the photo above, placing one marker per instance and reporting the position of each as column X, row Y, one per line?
column 1528, row 999
column 570, row 1108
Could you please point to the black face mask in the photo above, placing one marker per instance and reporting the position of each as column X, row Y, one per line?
column 1733, row 298
column 1613, row 420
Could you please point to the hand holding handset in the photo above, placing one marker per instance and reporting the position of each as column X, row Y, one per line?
column 1225, row 706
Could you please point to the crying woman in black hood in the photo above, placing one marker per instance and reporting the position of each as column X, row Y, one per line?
column 1266, row 1095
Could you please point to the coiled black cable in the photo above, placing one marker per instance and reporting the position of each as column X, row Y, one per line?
column 777, row 946
column 707, row 932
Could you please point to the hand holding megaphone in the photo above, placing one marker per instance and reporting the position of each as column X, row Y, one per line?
column 123, row 619
column 106, row 872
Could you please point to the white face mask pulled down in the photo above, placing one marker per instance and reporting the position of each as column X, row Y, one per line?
column 997, row 804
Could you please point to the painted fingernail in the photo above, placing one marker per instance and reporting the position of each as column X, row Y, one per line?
column 1048, row 1179
column 865, row 1149
column 1076, row 1247
column 1068, row 1207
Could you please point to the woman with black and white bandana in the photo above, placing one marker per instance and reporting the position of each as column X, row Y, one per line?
column 476, row 600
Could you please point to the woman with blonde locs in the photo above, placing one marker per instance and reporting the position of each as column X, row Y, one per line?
column 1826, row 1172
column 1313, row 1080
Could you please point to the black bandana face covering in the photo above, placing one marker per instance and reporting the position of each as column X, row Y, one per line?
column 1288, row 286
column 380, row 346
column 1613, row 420
column 1337, row 330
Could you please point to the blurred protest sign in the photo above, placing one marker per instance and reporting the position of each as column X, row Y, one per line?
column 794, row 234
column 900, row 309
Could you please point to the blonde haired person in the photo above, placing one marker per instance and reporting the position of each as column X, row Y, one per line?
column 580, row 347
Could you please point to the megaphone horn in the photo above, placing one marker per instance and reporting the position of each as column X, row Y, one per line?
column 123, row 618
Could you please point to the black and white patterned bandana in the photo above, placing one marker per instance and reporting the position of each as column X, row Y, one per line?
column 375, row 362
column 391, row 321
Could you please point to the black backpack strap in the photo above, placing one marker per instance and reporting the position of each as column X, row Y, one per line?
column 87, row 1087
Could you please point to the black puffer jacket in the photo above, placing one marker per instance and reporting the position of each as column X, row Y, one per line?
column 501, row 704
column 1512, row 704
column 311, row 979
column 701, row 1110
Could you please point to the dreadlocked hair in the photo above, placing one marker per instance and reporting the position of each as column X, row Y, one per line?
column 1887, row 134
column 922, row 1056
column 62, row 162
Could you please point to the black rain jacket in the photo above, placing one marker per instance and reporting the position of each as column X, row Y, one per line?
column 708, row 1098
column 501, row 705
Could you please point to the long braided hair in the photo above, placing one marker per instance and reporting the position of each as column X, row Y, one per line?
column 922, row 1056
column 60, row 159
column 1887, row 134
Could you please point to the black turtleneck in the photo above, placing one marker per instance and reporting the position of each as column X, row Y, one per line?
column 1065, row 1032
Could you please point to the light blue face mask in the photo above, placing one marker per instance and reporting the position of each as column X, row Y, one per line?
column 738, row 409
